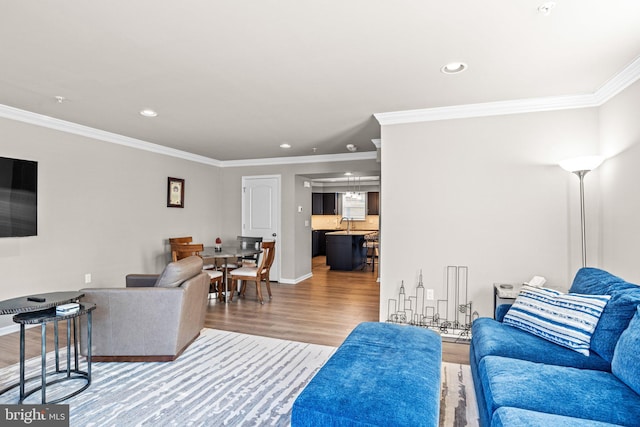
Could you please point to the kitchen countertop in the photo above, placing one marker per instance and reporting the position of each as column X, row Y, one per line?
column 350, row 233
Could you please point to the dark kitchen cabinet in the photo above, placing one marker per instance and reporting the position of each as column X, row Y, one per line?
column 319, row 242
column 316, row 204
column 323, row 204
column 315, row 243
column 373, row 203
column 329, row 204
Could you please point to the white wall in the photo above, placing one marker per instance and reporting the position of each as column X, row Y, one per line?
column 620, row 176
column 485, row 193
column 101, row 210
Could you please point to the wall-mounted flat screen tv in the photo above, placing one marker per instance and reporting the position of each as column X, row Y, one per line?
column 18, row 197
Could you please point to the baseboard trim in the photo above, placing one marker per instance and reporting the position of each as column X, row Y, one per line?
column 295, row 281
column 13, row 328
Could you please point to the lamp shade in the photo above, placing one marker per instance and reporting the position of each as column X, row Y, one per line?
column 586, row 163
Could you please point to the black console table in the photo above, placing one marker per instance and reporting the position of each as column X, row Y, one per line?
column 41, row 309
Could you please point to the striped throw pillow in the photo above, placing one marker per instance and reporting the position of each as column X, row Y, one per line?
column 564, row 319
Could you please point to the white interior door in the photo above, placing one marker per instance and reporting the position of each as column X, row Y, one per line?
column 261, row 212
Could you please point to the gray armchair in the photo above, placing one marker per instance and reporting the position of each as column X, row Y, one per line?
column 154, row 318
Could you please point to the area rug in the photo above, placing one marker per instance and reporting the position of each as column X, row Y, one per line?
column 458, row 407
column 223, row 378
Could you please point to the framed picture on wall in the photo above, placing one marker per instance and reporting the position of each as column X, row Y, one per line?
column 175, row 192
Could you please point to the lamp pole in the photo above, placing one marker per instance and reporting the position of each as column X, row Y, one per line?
column 581, row 175
column 581, row 166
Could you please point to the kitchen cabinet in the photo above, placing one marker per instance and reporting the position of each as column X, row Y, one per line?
column 315, row 243
column 323, row 204
column 316, row 204
column 373, row 203
column 319, row 242
column 329, row 204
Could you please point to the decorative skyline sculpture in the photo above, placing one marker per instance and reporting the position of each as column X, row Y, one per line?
column 451, row 316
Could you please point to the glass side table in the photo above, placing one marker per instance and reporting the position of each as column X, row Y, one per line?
column 58, row 375
column 40, row 308
column 505, row 292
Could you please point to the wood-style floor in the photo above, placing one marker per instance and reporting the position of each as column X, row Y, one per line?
column 320, row 310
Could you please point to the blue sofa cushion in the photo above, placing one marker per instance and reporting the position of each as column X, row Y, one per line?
column 565, row 319
column 615, row 318
column 490, row 337
column 382, row 375
column 516, row 417
column 626, row 358
column 571, row 392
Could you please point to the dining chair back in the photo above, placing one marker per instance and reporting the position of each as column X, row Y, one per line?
column 255, row 274
column 183, row 250
column 181, row 240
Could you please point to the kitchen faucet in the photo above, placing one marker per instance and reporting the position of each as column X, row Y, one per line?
column 348, row 223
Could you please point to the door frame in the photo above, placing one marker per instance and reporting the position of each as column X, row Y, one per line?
column 278, row 219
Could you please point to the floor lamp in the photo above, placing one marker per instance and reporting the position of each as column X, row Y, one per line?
column 581, row 166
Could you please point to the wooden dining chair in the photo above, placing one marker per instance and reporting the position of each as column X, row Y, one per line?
column 255, row 274
column 181, row 240
column 184, row 250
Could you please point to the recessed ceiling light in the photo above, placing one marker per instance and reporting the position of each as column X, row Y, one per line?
column 60, row 99
column 454, row 68
column 348, row 173
column 285, row 145
column 546, row 8
column 147, row 112
column 352, row 148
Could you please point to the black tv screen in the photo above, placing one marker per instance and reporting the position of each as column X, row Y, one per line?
column 18, row 197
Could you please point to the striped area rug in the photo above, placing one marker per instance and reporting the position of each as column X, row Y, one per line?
column 223, row 378
column 458, row 407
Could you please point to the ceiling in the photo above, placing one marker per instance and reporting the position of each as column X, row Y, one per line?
column 232, row 80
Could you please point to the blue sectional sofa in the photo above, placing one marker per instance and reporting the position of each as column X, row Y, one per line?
column 382, row 375
column 523, row 380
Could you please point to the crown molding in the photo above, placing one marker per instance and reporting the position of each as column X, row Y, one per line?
column 24, row 116
column 518, row 106
column 612, row 87
column 320, row 158
column 101, row 135
column 625, row 78
column 608, row 90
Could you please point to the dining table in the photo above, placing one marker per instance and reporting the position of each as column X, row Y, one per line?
column 227, row 252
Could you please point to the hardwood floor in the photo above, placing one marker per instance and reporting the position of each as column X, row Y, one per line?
column 321, row 310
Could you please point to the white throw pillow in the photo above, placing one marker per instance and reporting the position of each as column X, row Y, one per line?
column 564, row 319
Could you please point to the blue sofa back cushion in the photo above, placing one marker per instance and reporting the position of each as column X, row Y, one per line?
column 493, row 338
column 626, row 359
column 625, row 297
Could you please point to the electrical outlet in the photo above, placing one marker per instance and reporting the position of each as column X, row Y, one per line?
column 87, row 278
column 430, row 295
